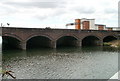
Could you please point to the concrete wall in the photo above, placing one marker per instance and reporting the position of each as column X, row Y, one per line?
column 92, row 24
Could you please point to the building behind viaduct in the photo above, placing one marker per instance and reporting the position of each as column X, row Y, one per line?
column 25, row 38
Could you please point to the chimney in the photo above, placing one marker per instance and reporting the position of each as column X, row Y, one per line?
column 77, row 24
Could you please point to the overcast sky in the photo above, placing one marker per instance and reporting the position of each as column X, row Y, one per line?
column 57, row 13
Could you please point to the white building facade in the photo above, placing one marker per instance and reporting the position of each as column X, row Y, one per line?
column 89, row 24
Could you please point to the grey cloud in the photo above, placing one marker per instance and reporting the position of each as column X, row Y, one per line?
column 47, row 0
column 57, row 7
column 60, row 11
column 110, row 11
column 57, row 12
column 85, row 10
column 5, row 10
column 36, row 4
column 40, row 17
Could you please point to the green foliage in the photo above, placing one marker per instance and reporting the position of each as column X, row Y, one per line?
column 107, row 44
column 115, row 43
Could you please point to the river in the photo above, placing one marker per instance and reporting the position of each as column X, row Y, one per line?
column 62, row 63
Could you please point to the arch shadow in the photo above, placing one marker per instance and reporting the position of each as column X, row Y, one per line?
column 12, row 35
column 10, row 42
column 67, row 41
column 91, row 40
column 109, row 38
column 38, row 41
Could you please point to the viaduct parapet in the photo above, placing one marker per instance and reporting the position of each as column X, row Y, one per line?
column 24, row 38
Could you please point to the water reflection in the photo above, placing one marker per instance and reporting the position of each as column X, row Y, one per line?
column 63, row 63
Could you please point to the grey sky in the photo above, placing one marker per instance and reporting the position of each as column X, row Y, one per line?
column 56, row 13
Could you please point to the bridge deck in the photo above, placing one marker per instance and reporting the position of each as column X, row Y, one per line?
column 76, row 37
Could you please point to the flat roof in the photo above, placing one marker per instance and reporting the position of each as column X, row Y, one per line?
column 100, row 25
column 112, row 27
column 87, row 19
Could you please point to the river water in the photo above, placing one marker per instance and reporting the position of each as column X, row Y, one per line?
column 62, row 63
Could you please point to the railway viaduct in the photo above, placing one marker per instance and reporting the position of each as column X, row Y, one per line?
column 25, row 38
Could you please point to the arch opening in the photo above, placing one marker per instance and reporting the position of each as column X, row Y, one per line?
column 91, row 41
column 109, row 39
column 10, row 43
column 38, row 42
column 67, row 41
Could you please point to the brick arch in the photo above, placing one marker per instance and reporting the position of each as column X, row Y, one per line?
column 70, row 40
column 43, row 35
column 71, row 35
column 12, row 35
column 13, row 41
column 91, row 35
column 31, row 43
column 109, row 38
column 110, row 35
column 91, row 40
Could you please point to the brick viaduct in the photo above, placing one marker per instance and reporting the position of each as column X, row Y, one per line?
column 25, row 37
